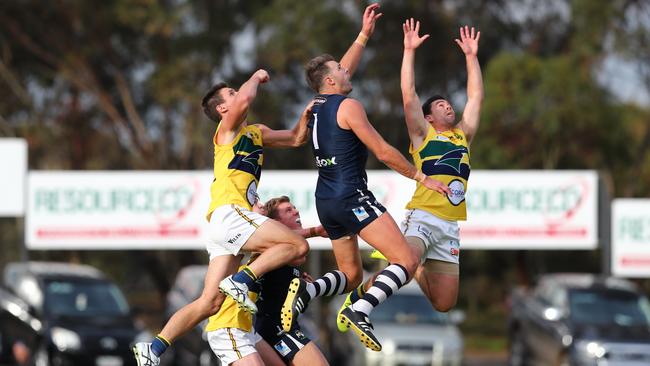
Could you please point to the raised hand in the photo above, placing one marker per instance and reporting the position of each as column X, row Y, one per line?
column 262, row 76
column 412, row 39
column 468, row 41
column 370, row 16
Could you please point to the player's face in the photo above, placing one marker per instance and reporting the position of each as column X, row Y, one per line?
column 289, row 215
column 442, row 111
column 341, row 76
column 228, row 95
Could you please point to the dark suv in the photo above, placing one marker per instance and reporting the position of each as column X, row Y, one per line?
column 580, row 319
column 72, row 313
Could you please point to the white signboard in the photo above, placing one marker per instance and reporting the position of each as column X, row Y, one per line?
column 117, row 210
column 13, row 164
column 631, row 237
column 531, row 210
column 135, row 210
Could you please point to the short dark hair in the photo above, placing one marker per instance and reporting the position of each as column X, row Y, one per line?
column 426, row 107
column 211, row 100
column 316, row 69
column 271, row 206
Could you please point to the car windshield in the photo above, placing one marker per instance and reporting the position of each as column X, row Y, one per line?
column 607, row 306
column 84, row 298
column 406, row 308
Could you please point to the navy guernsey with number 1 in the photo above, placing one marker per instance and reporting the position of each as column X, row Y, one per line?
column 343, row 201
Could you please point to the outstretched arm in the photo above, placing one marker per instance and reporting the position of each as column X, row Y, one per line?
column 352, row 57
column 352, row 115
column 239, row 108
column 468, row 43
column 415, row 123
column 297, row 136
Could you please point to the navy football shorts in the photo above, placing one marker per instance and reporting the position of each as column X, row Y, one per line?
column 285, row 344
column 341, row 217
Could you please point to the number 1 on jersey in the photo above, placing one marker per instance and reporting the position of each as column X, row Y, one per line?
column 314, row 134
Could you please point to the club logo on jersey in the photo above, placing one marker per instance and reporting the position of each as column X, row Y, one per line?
column 455, row 252
column 452, row 159
column 360, row 213
column 457, row 192
column 321, row 163
column 248, row 157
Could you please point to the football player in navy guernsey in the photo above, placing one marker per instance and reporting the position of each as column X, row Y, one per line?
column 341, row 136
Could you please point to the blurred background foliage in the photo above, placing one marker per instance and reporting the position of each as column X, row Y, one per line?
column 117, row 84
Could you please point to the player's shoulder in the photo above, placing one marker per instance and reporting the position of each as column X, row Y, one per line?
column 351, row 104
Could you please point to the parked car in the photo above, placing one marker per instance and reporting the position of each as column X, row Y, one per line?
column 410, row 330
column 192, row 349
column 579, row 319
column 73, row 314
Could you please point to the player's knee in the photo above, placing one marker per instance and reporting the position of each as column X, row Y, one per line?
column 443, row 305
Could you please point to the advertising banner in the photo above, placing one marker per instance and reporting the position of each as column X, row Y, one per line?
column 137, row 210
column 631, row 237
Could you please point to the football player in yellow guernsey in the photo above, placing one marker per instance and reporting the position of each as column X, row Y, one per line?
column 440, row 149
column 234, row 228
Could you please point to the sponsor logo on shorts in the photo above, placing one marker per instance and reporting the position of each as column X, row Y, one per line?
column 360, row 213
column 282, row 348
column 299, row 334
column 233, row 240
column 363, row 196
column 424, row 231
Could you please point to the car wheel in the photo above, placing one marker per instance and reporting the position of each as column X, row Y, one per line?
column 518, row 355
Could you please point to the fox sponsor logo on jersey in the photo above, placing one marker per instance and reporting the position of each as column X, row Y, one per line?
column 325, row 162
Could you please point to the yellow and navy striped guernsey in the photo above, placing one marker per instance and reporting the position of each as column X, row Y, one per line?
column 237, row 169
column 443, row 156
column 231, row 315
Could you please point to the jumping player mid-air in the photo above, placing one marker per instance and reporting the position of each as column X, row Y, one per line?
column 234, row 227
column 440, row 149
column 341, row 137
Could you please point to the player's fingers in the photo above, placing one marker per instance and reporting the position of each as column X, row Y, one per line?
column 417, row 27
column 424, row 37
column 478, row 35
